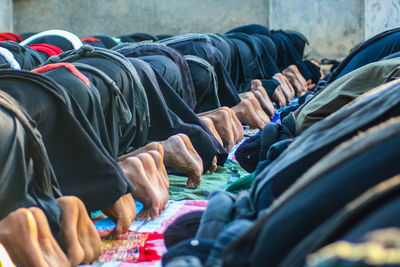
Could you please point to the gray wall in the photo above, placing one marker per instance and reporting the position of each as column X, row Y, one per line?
column 116, row 17
column 332, row 27
column 6, row 11
column 381, row 15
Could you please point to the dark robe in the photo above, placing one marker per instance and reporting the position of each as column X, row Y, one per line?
column 169, row 70
column 200, row 45
column 287, row 53
column 117, row 67
column 104, row 41
column 170, row 115
column 256, row 62
column 372, row 50
column 205, row 83
column 137, row 37
column 321, row 138
column 219, row 42
column 299, row 41
column 27, row 58
column 82, row 168
column 252, row 29
column 86, row 95
column 374, row 209
column 278, row 189
column 327, row 187
column 114, row 107
column 26, row 176
column 139, row 50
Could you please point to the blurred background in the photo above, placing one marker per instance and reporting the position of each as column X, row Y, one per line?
column 333, row 27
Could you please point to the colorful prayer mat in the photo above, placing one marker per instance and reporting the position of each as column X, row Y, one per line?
column 143, row 245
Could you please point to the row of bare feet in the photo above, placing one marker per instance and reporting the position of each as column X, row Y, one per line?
column 26, row 235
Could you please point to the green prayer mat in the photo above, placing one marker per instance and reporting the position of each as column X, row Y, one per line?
column 219, row 180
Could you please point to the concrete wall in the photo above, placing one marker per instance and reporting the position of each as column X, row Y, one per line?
column 332, row 27
column 6, row 16
column 381, row 15
column 116, row 17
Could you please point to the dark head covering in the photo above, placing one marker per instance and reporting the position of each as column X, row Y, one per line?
column 252, row 29
column 137, row 37
column 27, row 58
column 107, row 40
column 200, row 45
column 148, row 49
column 287, row 53
column 299, row 41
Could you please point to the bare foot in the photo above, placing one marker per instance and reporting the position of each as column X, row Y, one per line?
column 181, row 155
column 265, row 102
column 78, row 236
column 158, row 159
column 246, row 114
column 148, row 189
column 287, row 89
column 210, row 125
column 278, row 97
column 26, row 235
column 122, row 212
column 222, row 120
column 256, row 106
column 213, row 166
column 255, row 83
column 237, row 128
column 296, row 79
column 150, row 146
column 157, row 178
column 261, row 94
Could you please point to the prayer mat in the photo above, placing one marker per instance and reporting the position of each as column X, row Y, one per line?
column 143, row 245
column 219, row 180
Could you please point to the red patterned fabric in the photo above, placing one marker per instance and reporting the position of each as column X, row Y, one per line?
column 130, row 247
